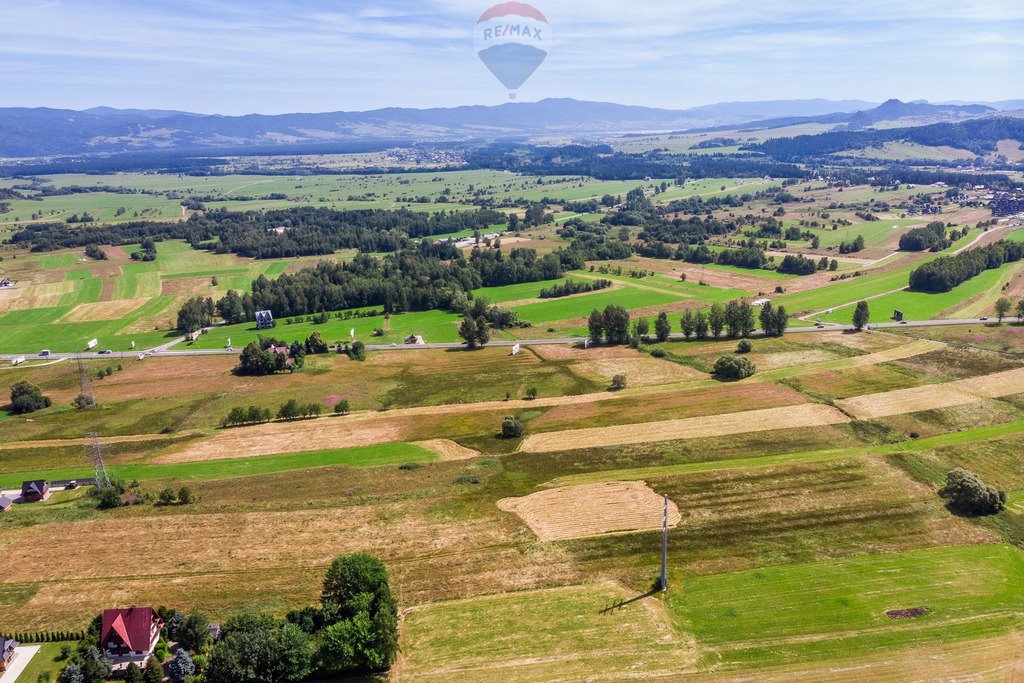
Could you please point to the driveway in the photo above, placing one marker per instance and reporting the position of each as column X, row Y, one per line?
column 24, row 654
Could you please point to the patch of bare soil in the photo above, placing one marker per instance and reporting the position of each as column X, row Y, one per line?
column 115, row 253
column 591, row 510
column 907, row 613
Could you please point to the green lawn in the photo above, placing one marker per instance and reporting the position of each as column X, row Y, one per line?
column 365, row 456
column 836, row 609
column 47, row 660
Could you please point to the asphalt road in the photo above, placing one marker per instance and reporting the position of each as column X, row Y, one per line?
column 164, row 350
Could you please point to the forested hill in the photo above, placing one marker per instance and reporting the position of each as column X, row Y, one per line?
column 979, row 136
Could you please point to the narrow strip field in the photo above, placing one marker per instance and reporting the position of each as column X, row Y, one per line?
column 932, row 396
column 368, row 456
column 807, row 415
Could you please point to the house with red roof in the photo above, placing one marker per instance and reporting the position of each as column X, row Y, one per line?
column 129, row 635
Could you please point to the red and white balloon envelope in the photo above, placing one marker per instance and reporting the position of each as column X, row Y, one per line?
column 512, row 39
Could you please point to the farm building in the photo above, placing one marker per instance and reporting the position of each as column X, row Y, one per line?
column 264, row 320
column 129, row 635
column 34, row 491
column 5, row 503
column 6, row 282
column 8, row 651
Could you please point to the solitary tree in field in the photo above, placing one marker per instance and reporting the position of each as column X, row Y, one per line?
column 861, row 315
column 1003, row 306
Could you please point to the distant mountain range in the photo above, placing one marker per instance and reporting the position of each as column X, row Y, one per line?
column 46, row 132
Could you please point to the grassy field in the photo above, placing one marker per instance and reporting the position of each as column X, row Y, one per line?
column 834, row 610
column 926, row 305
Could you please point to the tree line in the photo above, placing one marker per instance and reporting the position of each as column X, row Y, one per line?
column 946, row 272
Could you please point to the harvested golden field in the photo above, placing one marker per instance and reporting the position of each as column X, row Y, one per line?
column 591, row 510
column 994, row 385
column 932, row 396
column 448, row 449
column 640, row 369
column 788, row 359
column 807, row 415
column 274, row 555
column 915, row 348
column 661, row 404
column 576, row 633
column 102, row 310
column 900, row 401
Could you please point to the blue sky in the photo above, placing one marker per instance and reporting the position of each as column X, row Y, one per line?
column 321, row 55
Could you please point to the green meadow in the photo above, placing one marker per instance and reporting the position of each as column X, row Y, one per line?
column 837, row 609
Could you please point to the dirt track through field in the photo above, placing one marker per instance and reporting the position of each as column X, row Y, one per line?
column 933, row 396
column 789, row 417
column 591, row 510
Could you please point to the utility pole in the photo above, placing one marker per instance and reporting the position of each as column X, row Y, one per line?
column 664, row 547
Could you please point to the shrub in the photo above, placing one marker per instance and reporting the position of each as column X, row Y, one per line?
column 744, row 346
column 27, row 398
column 410, row 466
column 342, row 407
column 531, row 393
column 467, row 479
column 181, row 666
column 511, row 428
column 185, row 495
column 357, row 351
column 658, row 353
column 733, row 368
column 618, row 383
column 167, row 496
column 967, row 493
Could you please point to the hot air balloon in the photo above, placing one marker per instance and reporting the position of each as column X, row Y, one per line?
column 512, row 39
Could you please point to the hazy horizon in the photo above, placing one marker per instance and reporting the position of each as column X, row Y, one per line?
column 233, row 58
